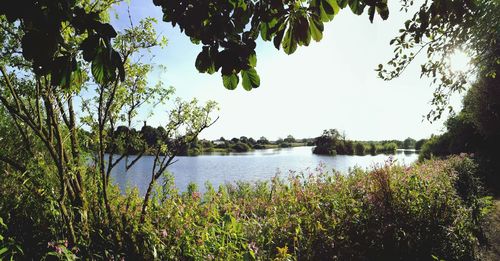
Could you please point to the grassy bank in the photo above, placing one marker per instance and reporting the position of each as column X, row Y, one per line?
column 432, row 209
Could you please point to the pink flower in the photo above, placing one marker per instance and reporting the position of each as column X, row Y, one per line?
column 164, row 233
column 196, row 195
column 252, row 246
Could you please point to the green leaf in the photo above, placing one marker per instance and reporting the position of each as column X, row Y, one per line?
column 357, row 6
column 101, row 68
column 252, row 60
column 289, row 44
column 267, row 29
column 278, row 38
column 383, row 10
column 371, row 13
column 3, row 250
column 250, row 79
column 316, row 28
column 301, row 31
column 328, row 9
column 264, row 31
column 342, row 3
column 203, row 61
column 230, row 81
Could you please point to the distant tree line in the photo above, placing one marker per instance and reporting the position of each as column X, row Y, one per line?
column 131, row 141
column 332, row 142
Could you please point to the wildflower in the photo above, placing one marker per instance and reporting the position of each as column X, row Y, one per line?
column 196, row 195
column 58, row 249
column 163, row 233
column 252, row 246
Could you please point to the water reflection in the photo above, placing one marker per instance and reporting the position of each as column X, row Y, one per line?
column 219, row 168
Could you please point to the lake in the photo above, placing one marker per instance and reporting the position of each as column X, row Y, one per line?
column 248, row 166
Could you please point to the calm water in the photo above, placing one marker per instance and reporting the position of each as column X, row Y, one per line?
column 249, row 166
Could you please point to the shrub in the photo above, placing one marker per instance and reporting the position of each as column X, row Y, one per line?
column 390, row 147
column 240, row 147
column 434, row 208
column 285, row 145
column 359, row 148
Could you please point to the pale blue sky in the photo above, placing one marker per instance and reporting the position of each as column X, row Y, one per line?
column 330, row 84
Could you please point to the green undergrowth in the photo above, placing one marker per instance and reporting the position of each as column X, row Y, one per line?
column 431, row 210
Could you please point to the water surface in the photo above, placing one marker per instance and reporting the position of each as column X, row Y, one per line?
column 248, row 166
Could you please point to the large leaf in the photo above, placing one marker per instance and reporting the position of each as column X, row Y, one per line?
column 230, row 81
column 301, row 31
column 278, row 38
column 383, row 10
column 101, row 68
column 316, row 28
column 342, row 3
column 89, row 47
column 289, row 44
column 267, row 29
column 250, row 79
column 357, row 6
column 203, row 60
column 252, row 60
column 371, row 13
column 328, row 9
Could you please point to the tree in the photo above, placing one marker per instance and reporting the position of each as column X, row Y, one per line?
column 373, row 148
column 390, row 147
column 409, row 143
column 328, row 142
column 244, row 139
column 475, row 129
column 240, row 147
column 150, row 135
column 439, row 29
column 419, row 143
column 289, row 139
column 359, row 148
column 229, row 29
column 52, row 52
column 39, row 87
column 263, row 140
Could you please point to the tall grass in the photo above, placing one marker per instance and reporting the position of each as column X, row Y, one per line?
column 429, row 210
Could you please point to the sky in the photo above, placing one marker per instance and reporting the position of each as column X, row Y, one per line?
column 329, row 84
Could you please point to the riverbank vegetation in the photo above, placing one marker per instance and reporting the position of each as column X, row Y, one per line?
column 475, row 129
column 431, row 210
column 332, row 142
column 143, row 142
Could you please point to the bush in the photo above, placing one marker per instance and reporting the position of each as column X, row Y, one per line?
column 240, row 147
column 434, row 208
column 436, row 146
column 390, row 147
column 285, row 145
column 259, row 146
column 359, row 149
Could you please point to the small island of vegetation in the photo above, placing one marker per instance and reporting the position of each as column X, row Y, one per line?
column 332, row 142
